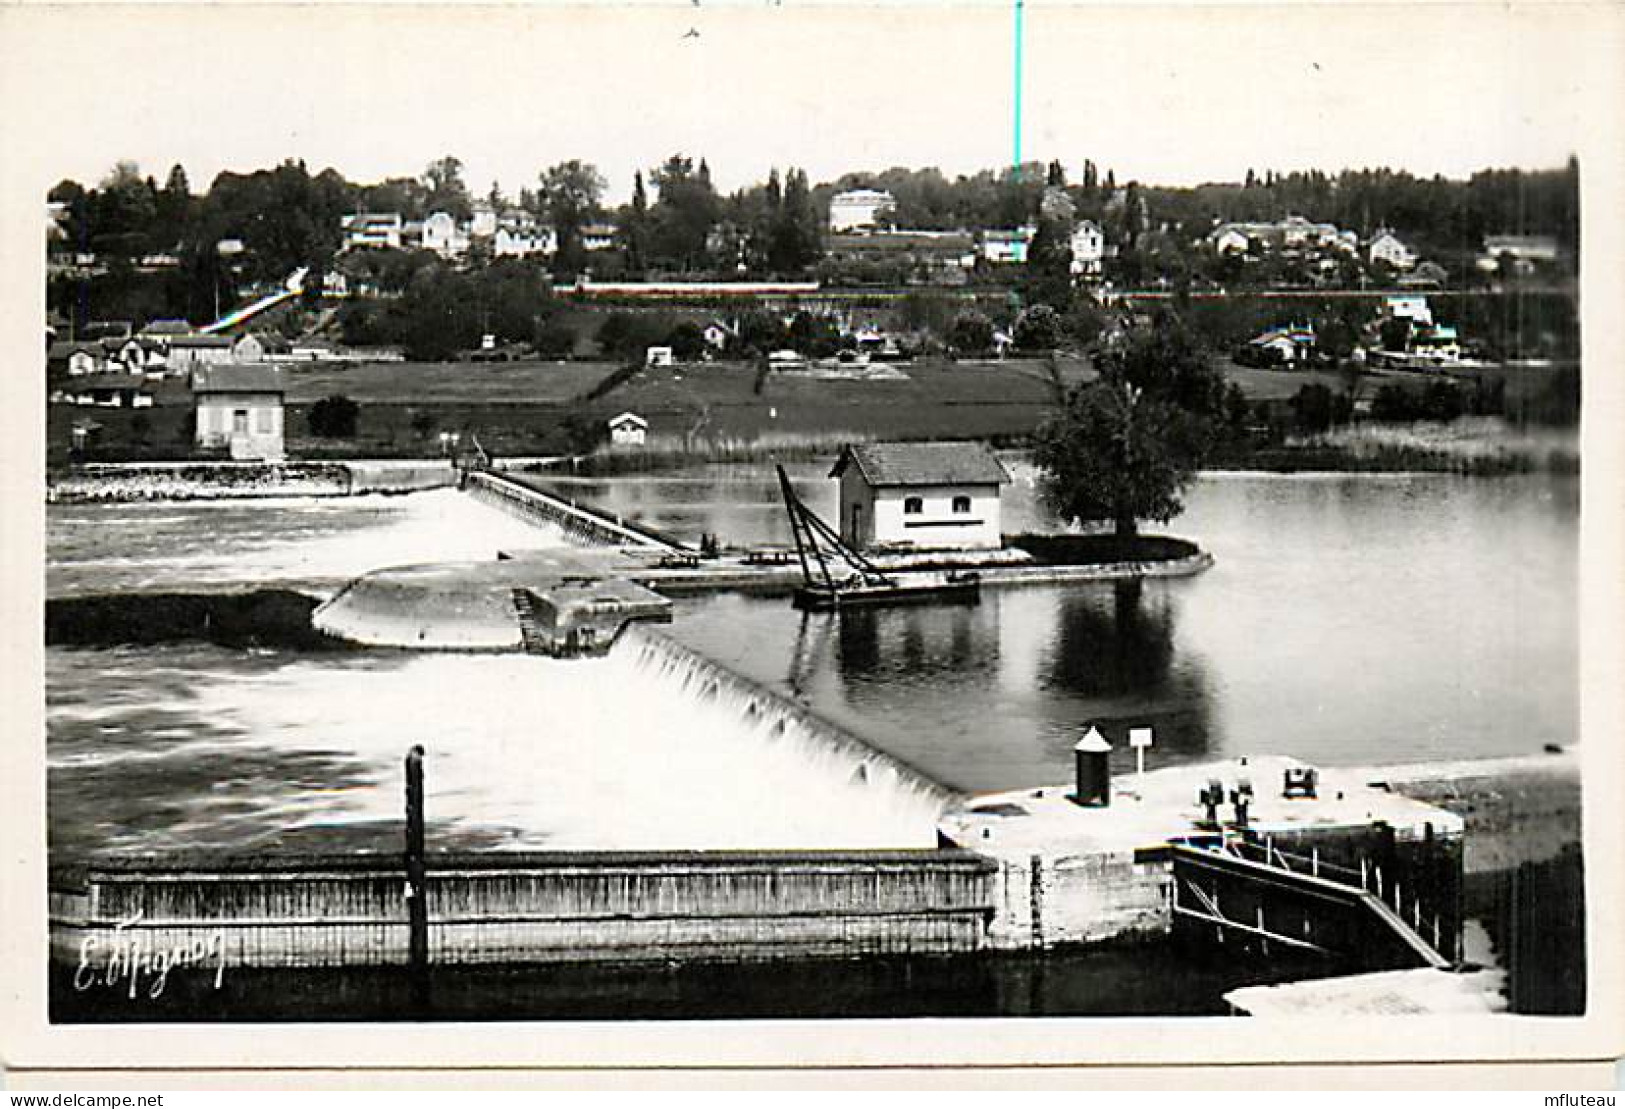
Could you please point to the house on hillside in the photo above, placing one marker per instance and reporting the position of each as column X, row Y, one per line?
column 442, row 235
column 1288, row 345
column 187, row 352
column 598, row 236
column 373, row 229
column 78, row 359
column 718, row 335
column 1001, row 246
column 922, row 495
column 628, row 430
column 1525, row 252
column 859, row 209
column 1413, row 308
column 1385, row 246
column 248, row 348
column 1088, row 248
column 239, row 407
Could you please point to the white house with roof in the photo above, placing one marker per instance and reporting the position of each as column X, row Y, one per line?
column 442, row 235
column 598, row 236
column 859, row 209
column 1413, row 308
column 1088, row 248
column 1387, row 247
column 373, row 229
column 920, row 495
column 78, row 359
column 1002, row 246
column 239, row 407
column 190, row 351
column 628, row 430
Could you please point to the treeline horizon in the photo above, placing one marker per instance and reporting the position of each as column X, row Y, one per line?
column 677, row 222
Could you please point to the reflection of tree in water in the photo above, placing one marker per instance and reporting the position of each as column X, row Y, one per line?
column 1114, row 648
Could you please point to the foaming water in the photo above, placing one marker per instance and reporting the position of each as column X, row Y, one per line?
column 645, row 748
column 315, row 543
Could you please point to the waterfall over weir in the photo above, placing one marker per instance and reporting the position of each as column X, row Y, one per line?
column 790, row 751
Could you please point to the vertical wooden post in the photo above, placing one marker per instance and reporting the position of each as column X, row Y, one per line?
column 417, row 899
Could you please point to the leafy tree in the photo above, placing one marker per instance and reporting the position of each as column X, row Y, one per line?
column 683, row 215
column 1317, row 409
column 635, row 228
column 971, row 333
column 1395, row 333
column 794, row 227
column 334, row 417
column 569, row 196
column 447, row 191
column 1037, row 328
column 687, row 341
column 814, row 335
column 1125, row 447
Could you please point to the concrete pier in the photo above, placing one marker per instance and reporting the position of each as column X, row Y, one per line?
column 1075, row 874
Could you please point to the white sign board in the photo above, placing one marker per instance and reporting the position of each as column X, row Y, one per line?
column 1139, row 737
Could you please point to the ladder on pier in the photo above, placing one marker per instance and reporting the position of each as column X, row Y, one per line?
column 1222, row 896
column 530, row 632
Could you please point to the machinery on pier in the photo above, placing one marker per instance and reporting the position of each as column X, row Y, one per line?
column 834, row 576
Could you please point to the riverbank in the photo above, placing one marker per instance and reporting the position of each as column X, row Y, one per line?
column 117, row 482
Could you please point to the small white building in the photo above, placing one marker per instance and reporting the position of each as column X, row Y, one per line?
column 373, row 229
column 1088, row 248
column 190, row 351
column 248, row 348
column 859, row 209
column 1413, row 308
column 78, row 359
column 1002, row 246
column 239, row 407
column 659, row 356
column 922, row 495
column 628, row 430
column 442, row 235
column 718, row 335
column 1386, row 247
column 1230, row 239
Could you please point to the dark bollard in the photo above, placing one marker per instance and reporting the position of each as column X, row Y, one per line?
column 417, row 894
column 1211, row 798
column 1242, row 798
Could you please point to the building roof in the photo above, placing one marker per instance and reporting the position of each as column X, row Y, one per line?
column 200, row 341
column 167, row 327
column 863, row 196
column 66, row 348
column 894, row 464
column 238, row 377
column 629, row 419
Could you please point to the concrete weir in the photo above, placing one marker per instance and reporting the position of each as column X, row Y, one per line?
column 550, row 603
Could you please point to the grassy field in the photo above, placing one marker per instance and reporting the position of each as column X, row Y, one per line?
column 436, row 383
column 522, row 409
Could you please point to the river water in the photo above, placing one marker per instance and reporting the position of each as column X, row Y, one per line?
column 1348, row 619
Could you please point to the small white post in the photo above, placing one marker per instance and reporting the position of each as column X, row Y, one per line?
column 1140, row 739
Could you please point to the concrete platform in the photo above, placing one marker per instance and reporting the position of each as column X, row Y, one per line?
column 469, row 606
column 1164, row 806
column 1075, row 875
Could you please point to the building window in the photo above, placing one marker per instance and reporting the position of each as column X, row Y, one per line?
column 262, row 421
column 961, row 504
column 913, row 506
column 239, row 422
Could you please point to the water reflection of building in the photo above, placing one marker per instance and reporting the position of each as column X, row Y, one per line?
column 1115, row 648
